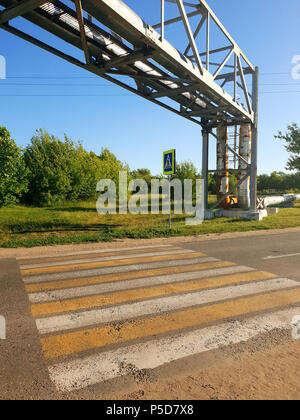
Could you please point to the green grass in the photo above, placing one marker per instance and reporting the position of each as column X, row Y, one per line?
column 80, row 223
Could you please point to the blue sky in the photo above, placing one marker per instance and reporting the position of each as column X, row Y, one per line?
column 136, row 131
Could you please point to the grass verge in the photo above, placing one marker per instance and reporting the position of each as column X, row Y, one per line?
column 75, row 223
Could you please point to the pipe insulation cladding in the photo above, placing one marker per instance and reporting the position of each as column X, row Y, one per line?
column 245, row 153
column 119, row 51
column 222, row 179
column 274, row 200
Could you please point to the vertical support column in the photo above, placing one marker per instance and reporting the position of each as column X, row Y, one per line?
column 245, row 152
column 222, row 165
column 205, row 153
column 253, row 177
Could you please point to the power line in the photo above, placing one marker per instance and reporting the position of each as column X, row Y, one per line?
column 280, row 84
column 56, row 84
column 52, row 77
column 106, row 95
column 112, row 85
column 272, row 74
column 96, row 77
column 62, row 95
column 287, row 91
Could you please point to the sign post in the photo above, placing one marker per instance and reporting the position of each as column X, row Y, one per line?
column 169, row 168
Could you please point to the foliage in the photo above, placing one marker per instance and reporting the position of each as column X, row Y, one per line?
column 279, row 182
column 111, row 166
column 142, row 173
column 59, row 170
column 13, row 174
column 187, row 170
column 292, row 145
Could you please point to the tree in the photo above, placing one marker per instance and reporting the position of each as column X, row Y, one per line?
column 187, row 170
column 142, row 173
column 13, row 174
column 292, row 145
column 111, row 166
column 60, row 170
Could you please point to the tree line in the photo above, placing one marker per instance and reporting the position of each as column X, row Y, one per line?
column 49, row 170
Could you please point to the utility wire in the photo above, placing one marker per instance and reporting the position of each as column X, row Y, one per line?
column 61, row 95
column 111, row 85
column 55, row 84
column 96, row 77
column 110, row 95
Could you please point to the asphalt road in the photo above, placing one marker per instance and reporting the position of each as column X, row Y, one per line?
column 279, row 254
column 81, row 324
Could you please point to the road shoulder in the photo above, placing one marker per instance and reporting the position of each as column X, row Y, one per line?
column 23, row 374
column 120, row 243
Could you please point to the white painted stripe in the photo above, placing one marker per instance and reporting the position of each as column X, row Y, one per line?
column 114, row 257
column 75, row 292
column 95, row 251
column 83, row 372
column 274, row 257
column 113, row 270
column 157, row 306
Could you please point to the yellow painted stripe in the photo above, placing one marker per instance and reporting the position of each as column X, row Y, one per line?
column 121, row 252
column 55, row 346
column 107, row 278
column 112, row 263
column 145, row 293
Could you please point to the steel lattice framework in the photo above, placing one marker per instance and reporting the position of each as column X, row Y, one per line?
column 203, row 85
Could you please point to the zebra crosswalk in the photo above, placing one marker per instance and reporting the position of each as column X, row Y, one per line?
column 99, row 313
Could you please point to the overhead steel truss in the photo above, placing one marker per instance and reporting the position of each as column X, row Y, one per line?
column 121, row 47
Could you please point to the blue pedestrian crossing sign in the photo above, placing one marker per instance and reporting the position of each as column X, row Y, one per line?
column 169, row 162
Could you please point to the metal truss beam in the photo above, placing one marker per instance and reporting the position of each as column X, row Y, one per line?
column 128, row 58
column 204, row 6
column 185, row 3
column 92, row 68
column 133, row 55
column 132, row 49
column 196, row 33
column 175, row 20
column 82, row 30
column 174, row 92
column 19, row 9
column 190, row 35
